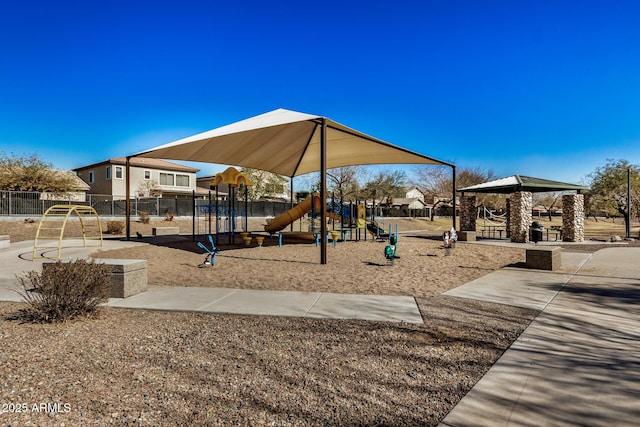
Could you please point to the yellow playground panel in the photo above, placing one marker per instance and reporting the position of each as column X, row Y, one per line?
column 53, row 222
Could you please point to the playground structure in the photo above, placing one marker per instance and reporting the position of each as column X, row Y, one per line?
column 53, row 223
column 233, row 179
column 279, row 223
column 344, row 219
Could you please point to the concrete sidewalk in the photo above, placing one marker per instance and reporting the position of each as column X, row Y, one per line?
column 276, row 303
column 18, row 259
column 578, row 363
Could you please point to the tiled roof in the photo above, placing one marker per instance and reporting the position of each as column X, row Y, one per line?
column 144, row 163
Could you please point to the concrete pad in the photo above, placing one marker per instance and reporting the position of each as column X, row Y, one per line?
column 515, row 287
column 522, row 287
column 566, row 369
column 175, row 299
column 614, row 262
column 367, row 307
column 578, row 363
column 572, row 262
column 276, row 303
column 268, row 303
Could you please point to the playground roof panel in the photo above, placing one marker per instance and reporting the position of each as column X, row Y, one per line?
column 514, row 183
column 287, row 143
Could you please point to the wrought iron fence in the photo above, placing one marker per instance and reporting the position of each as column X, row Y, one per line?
column 27, row 203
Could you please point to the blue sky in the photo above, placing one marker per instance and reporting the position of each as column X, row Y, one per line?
column 541, row 88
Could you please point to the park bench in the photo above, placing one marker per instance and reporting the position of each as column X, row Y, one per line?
column 492, row 230
column 467, row 236
column 556, row 230
column 544, row 258
column 165, row 231
column 128, row 276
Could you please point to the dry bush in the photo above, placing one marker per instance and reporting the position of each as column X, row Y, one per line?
column 144, row 217
column 64, row 291
column 115, row 227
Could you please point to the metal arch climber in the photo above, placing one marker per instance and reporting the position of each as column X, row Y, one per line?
column 53, row 223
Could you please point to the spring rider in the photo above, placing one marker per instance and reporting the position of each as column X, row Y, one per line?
column 390, row 249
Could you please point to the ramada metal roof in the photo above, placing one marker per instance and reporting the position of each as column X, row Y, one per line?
column 514, row 183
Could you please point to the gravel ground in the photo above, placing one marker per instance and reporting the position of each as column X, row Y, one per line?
column 135, row 367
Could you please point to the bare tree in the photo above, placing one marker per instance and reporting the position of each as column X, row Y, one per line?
column 385, row 185
column 436, row 182
column 149, row 189
column 548, row 200
column 344, row 182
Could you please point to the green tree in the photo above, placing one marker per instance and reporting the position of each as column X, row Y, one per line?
column 609, row 189
column 265, row 184
column 30, row 173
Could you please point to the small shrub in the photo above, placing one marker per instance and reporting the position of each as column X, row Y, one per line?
column 64, row 291
column 144, row 217
column 115, row 227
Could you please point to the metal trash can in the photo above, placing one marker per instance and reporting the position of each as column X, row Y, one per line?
column 536, row 231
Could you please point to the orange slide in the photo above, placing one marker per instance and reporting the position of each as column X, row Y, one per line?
column 296, row 212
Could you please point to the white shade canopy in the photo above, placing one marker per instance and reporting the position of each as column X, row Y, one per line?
column 287, row 143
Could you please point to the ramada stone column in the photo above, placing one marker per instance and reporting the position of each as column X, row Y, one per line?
column 520, row 217
column 573, row 218
column 508, row 211
column 468, row 213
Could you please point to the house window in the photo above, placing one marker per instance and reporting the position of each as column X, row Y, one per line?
column 108, row 172
column 91, row 177
column 147, row 174
column 174, row 180
column 119, row 172
column 182, row 180
column 166, row 179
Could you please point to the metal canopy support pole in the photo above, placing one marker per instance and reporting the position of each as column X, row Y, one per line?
column 453, row 173
column 628, row 219
column 246, row 207
column 292, row 204
column 193, row 216
column 323, row 192
column 217, row 222
column 127, row 195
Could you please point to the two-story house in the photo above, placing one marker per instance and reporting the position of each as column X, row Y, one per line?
column 149, row 178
